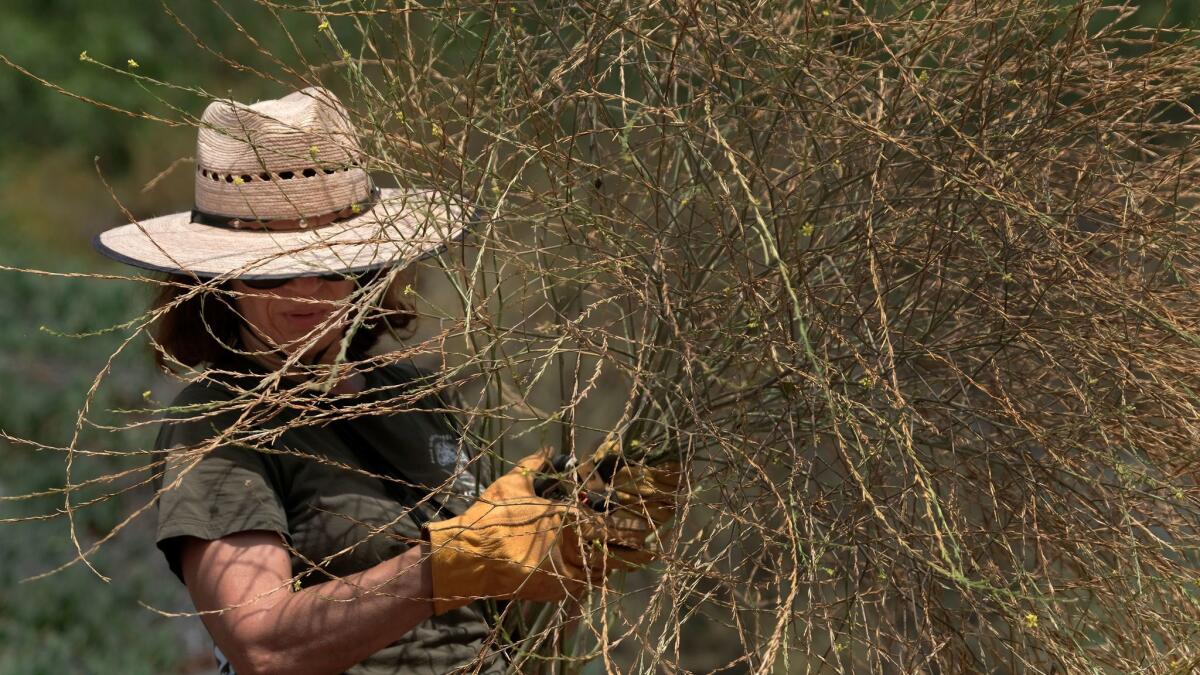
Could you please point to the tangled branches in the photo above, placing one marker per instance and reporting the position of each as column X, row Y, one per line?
column 908, row 285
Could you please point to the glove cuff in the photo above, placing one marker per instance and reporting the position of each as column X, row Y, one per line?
column 450, row 570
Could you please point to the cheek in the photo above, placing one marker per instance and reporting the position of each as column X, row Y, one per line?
column 340, row 290
column 257, row 313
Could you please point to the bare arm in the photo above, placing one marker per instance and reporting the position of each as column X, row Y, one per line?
column 322, row 629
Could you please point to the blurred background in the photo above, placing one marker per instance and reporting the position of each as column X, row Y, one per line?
column 69, row 169
column 57, row 155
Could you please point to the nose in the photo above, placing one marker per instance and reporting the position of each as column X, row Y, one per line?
column 302, row 286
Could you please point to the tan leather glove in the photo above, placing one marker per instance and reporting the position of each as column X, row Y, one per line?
column 642, row 499
column 513, row 544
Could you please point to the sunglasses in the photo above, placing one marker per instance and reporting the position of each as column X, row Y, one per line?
column 268, row 284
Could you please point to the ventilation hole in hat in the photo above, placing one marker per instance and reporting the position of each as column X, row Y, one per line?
column 204, row 172
column 286, row 175
column 329, row 171
column 264, row 176
column 309, row 173
column 214, row 176
column 247, row 177
column 229, row 178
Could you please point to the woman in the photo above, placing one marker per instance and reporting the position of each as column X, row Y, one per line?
column 317, row 528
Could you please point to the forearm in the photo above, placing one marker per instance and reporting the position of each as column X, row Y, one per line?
column 329, row 627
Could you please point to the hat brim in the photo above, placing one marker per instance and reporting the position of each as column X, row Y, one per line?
column 402, row 227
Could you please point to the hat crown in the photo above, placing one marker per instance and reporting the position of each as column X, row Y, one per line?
column 294, row 132
column 288, row 158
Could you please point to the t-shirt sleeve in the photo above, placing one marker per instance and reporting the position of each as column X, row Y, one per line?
column 209, row 493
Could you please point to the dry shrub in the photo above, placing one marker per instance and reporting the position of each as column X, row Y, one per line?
column 907, row 285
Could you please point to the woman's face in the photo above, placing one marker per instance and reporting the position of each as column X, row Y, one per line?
column 296, row 315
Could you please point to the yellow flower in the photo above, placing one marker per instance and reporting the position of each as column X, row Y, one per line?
column 324, row 25
column 237, row 180
column 83, row 56
column 807, row 229
column 132, row 64
column 1031, row 620
column 314, row 151
column 355, row 208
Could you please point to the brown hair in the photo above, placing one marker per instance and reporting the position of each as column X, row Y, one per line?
column 204, row 327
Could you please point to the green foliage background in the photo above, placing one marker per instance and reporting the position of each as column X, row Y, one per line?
column 52, row 202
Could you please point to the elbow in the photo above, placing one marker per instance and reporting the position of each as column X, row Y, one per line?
column 261, row 663
column 257, row 645
column 253, row 662
column 259, row 659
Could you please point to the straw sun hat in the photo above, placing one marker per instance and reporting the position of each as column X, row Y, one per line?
column 281, row 192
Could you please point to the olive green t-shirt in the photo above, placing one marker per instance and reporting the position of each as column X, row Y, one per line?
column 319, row 484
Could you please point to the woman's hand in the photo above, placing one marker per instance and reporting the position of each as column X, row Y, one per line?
column 513, row 544
column 641, row 499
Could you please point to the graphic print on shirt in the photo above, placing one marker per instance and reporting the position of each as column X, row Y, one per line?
column 449, row 453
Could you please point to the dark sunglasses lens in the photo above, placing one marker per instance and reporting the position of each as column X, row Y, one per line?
column 267, row 284
column 344, row 276
column 264, row 284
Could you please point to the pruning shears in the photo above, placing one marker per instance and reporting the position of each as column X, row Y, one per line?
column 561, row 481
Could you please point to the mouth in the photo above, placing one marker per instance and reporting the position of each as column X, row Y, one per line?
column 306, row 319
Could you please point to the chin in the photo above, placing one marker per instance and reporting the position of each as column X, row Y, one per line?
column 316, row 349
